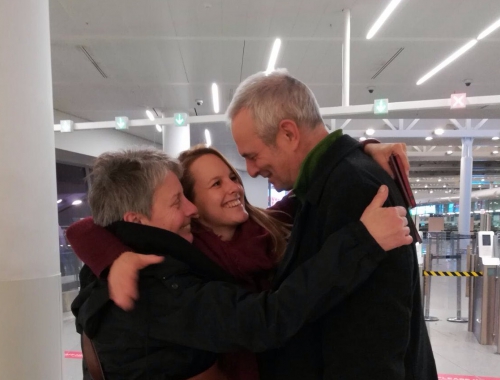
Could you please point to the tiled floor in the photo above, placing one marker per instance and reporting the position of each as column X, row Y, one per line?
column 456, row 350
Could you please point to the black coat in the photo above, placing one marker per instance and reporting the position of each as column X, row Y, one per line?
column 378, row 332
column 190, row 309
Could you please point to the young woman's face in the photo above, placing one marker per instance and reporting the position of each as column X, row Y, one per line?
column 218, row 194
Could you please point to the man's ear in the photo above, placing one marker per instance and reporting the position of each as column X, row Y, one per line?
column 134, row 217
column 288, row 134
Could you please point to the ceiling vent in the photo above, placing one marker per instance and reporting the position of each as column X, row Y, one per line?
column 89, row 57
column 388, row 62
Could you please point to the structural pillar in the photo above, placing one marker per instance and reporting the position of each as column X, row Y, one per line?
column 176, row 139
column 30, row 279
column 346, row 58
column 465, row 186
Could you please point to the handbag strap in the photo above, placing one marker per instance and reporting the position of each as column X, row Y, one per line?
column 91, row 358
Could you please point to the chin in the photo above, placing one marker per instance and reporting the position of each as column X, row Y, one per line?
column 188, row 237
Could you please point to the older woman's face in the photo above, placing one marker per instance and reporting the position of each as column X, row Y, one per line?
column 171, row 210
column 218, row 194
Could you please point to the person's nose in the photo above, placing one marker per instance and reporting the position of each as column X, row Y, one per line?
column 252, row 169
column 190, row 209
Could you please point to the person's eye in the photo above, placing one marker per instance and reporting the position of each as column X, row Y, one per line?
column 216, row 183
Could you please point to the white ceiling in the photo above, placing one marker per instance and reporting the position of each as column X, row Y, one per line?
column 165, row 54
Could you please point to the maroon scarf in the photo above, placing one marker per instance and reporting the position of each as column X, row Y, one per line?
column 249, row 257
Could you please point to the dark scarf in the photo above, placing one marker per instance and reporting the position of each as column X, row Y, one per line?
column 248, row 256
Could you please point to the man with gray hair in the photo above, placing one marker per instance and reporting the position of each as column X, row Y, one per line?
column 378, row 332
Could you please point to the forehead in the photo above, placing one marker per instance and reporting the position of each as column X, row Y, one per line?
column 207, row 164
column 170, row 187
column 244, row 132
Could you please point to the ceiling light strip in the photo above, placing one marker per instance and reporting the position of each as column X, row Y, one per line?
column 274, row 56
column 383, row 18
column 447, row 61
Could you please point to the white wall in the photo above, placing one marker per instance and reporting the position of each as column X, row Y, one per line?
column 95, row 142
column 256, row 189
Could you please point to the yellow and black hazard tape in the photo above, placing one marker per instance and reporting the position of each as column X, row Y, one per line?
column 451, row 274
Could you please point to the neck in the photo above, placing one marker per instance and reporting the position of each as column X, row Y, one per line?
column 313, row 138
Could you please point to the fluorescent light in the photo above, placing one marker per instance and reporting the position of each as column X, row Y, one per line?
column 383, row 17
column 444, row 185
column 494, row 152
column 150, row 115
column 482, row 179
column 447, row 61
column 77, row 202
column 449, row 152
column 489, row 30
column 159, row 128
column 418, row 180
column 439, row 180
column 59, row 201
column 495, row 138
column 362, row 138
column 428, row 138
column 274, row 55
column 431, row 191
column 215, row 97
column 370, row 131
column 208, row 139
column 439, row 131
column 426, row 186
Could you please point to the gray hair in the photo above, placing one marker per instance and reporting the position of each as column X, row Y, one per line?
column 126, row 181
column 273, row 97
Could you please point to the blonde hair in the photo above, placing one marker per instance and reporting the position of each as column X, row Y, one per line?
column 279, row 231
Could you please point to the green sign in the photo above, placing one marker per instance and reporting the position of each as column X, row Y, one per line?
column 381, row 106
column 121, row 122
column 181, row 119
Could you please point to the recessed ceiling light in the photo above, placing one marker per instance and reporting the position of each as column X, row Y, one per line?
column 428, row 138
column 382, row 18
column 416, row 191
column 494, row 152
column 444, row 185
column 77, row 202
column 482, row 179
column 447, row 61
column 449, row 152
column 431, row 191
column 59, row 201
column 362, row 138
column 439, row 131
column 439, row 180
column 370, row 131
column 418, row 180
column 426, row 186
column 495, row 138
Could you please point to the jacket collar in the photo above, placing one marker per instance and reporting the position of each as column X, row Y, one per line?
column 152, row 240
column 330, row 158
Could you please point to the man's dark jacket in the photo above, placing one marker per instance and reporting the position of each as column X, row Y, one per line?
column 190, row 309
column 378, row 332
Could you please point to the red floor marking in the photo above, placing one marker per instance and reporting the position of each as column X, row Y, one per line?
column 73, row 355
column 465, row 377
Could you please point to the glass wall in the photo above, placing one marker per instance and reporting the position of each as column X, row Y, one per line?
column 72, row 206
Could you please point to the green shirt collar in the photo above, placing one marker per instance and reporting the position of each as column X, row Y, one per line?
column 310, row 162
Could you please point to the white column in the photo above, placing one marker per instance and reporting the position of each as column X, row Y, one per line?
column 176, row 139
column 465, row 186
column 346, row 58
column 30, row 279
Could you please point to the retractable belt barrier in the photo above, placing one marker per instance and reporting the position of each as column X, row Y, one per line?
column 451, row 274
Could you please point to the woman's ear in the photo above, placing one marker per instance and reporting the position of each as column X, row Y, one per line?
column 133, row 217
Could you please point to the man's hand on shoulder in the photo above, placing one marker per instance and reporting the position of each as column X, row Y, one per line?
column 123, row 277
column 387, row 225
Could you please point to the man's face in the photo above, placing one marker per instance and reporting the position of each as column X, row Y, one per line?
column 171, row 210
column 272, row 162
